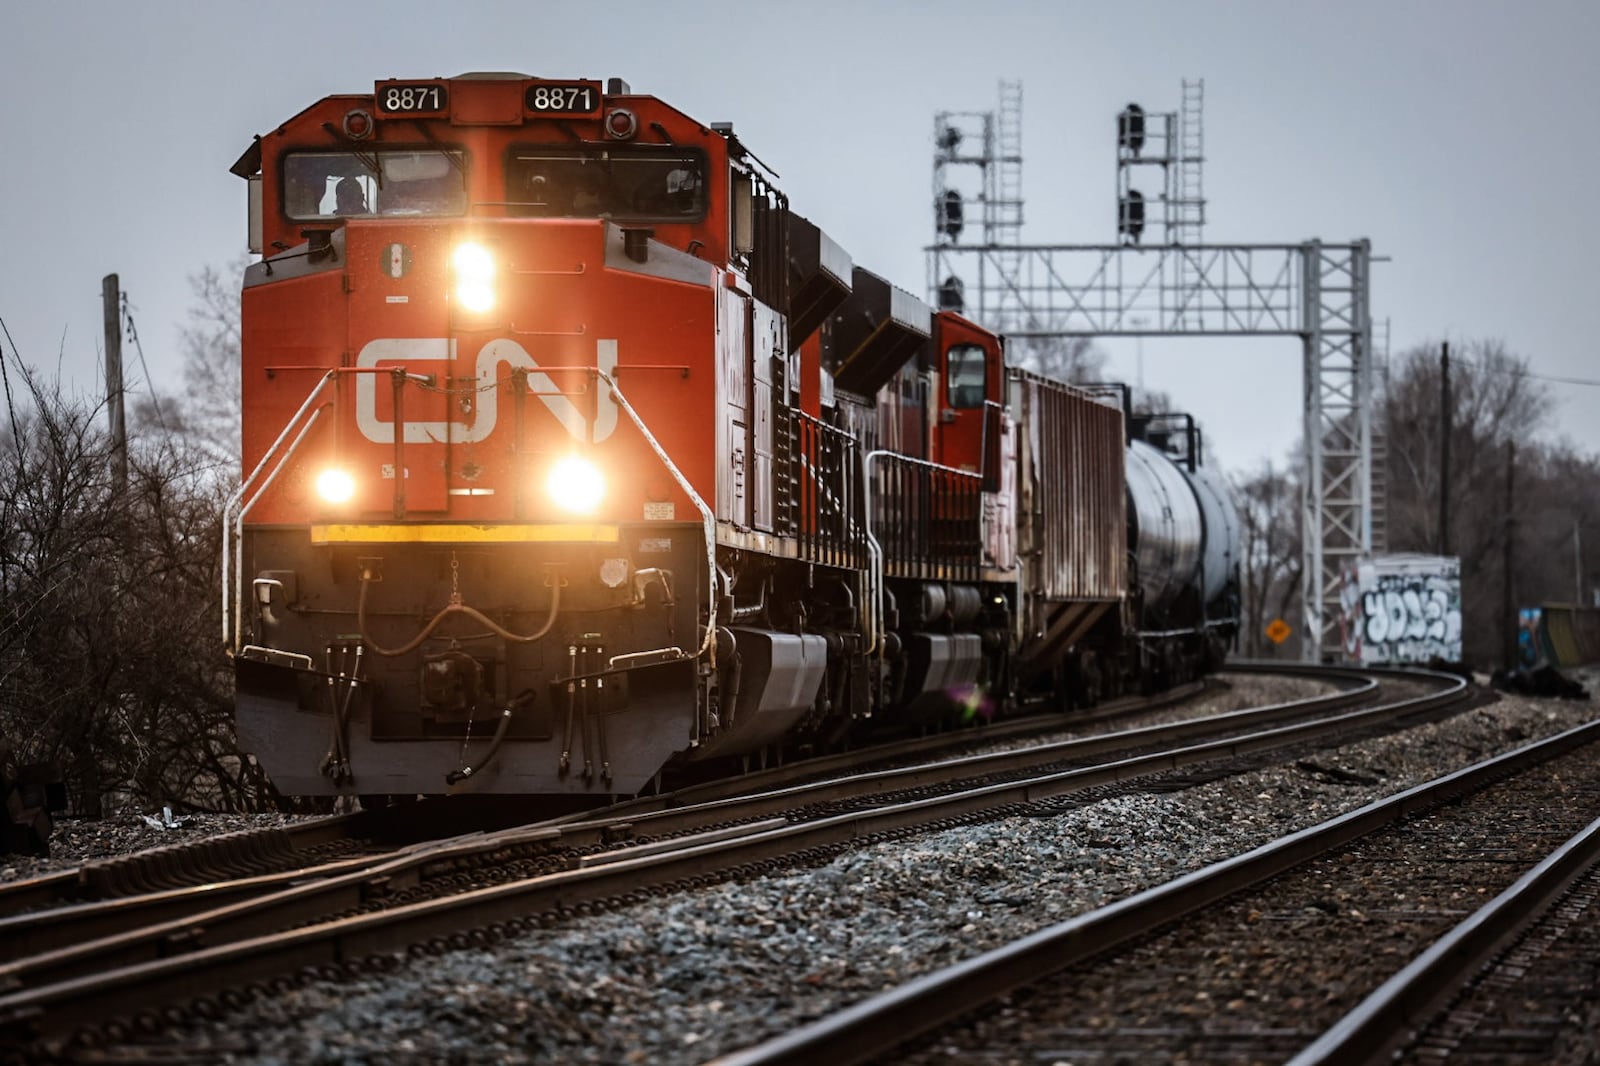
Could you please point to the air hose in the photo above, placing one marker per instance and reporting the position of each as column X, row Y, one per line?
column 455, row 777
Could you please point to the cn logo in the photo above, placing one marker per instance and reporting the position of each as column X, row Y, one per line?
column 490, row 359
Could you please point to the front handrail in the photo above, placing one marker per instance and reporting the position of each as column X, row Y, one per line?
column 708, row 647
column 310, row 411
column 233, row 524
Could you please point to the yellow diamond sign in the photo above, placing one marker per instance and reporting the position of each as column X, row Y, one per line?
column 1278, row 631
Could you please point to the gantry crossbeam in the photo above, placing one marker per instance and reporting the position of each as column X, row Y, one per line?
column 1317, row 292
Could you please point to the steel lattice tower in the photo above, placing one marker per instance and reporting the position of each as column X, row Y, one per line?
column 1317, row 292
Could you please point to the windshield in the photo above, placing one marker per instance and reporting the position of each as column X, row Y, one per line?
column 380, row 182
column 635, row 183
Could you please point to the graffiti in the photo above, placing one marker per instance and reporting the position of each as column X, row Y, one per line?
column 1530, row 638
column 1350, row 613
column 1402, row 609
column 1412, row 619
column 1557, row 634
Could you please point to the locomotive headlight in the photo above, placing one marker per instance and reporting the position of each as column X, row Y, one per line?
column 575, row 484
column 474, row 270
column 335, row 486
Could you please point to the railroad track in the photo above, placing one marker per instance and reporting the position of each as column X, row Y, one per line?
column 255, row 852
column 252, row 861
column 634, row 828
column 605, row 862
column 167, row 883
column 1449, row 999
column 1260, row 957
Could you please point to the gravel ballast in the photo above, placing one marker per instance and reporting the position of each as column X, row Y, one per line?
column 685, row 978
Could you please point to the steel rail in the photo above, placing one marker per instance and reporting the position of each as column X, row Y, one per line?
column 1041, row 722
column 1411, row 997
column 994, row 762
column 877, row 1025
column 988, row 764
column 169, row 875
column 40, row 932
column 133, row 884
column 183, row 866
column 178, row 869
column 43, row 891
column 817, row 765
column 124, row 932
column 192, row 964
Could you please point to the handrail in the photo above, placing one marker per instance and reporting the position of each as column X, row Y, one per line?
column 233, row 523
column 708, row 646
column 827, row 460
column 875, row 548
column 233, row 527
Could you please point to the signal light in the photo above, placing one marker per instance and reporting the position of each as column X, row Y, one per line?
column 952, row 295
column 1130, row 129
column 1130, row 216
column 950, row 214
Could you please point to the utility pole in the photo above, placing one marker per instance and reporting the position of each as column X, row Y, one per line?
column 1444, row 450
column 1139, row 322
column 1508, row 608
column 1577, row 563
column 111, row 297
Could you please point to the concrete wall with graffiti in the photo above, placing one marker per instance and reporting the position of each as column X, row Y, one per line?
column 1402, row 609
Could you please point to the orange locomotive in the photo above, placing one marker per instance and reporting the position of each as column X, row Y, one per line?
column 572, row 455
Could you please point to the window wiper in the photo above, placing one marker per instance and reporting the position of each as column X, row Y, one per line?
column 366, row 159
column 427, row 135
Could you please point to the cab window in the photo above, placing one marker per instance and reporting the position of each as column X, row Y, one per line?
column 319, row 185
column 965, row 375
column 641, row 183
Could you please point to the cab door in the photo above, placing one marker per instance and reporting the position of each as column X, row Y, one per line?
column 969, row 365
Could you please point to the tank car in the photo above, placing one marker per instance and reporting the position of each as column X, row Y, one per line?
column 1183, row 534
column 572, row 455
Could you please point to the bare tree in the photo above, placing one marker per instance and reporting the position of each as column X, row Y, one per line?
column 1498, row 411
column 1493, row 402
column 59, row 536
column 207, row 415
column 1271, row 561
column 1153, row 401
column 110, row 660
column 1069, row 359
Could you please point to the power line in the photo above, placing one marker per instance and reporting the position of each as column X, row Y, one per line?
column 1519, row 371
column 6, row 378
column 133, row 335
column 1560, row 380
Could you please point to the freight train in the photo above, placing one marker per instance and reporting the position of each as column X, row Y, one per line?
column 573, row 455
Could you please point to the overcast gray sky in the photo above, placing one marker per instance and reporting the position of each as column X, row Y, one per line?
column 1456, row 135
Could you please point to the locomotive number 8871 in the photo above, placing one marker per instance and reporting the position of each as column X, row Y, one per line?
column 572, row 455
